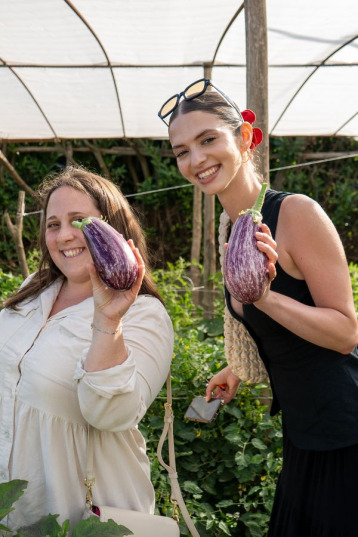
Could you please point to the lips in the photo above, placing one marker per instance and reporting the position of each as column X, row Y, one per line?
column 74, row 252
column 207, row 174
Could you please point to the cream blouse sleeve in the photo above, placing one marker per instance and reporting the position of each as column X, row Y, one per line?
column 117, row 398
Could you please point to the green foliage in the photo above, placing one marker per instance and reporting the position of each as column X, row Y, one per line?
column 332, row 184
column 48, row 526
column 227, row 469
column 92, row 527
column 8, row 284
column 166, row 215
column 9, row 493
column 353, row 271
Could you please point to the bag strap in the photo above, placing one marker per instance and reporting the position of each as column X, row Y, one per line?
column 168, row 431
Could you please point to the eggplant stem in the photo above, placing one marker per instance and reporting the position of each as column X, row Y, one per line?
column 260, row 198
column 256, row 209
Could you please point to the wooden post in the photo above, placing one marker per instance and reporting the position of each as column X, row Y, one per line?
column 16, row 233
column 195, row 273
column 257, row 92
column 257, row 75
column 209, row 244
column 3, row 151
column 209, row 256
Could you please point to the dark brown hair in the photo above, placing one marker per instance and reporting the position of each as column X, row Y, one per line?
column 112, row 205
column 210, row 102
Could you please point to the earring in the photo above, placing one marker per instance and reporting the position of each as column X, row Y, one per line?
column 247, row 157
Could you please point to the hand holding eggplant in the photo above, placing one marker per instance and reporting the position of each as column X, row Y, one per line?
column 267, row 245
column 250, row 255
column 110, row 304
column 117, row 271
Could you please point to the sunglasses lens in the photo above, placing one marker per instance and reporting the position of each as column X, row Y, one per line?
column 195, row 90
column 169, row 106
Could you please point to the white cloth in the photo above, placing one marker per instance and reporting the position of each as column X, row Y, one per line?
column 47, row 398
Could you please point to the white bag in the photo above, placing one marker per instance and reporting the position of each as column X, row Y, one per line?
column 140, row 524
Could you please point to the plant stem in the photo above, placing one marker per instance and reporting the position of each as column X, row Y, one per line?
column 260, row 199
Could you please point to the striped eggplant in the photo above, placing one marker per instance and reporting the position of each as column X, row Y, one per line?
column 245, row 268
column 113, row 258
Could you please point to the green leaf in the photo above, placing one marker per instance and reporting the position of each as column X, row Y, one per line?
column 4, row 512
column 213, row 327
column 224, row 528
column 234, row 411
column 225, row 503
column 258, row 444
column 9, row 493
column 192, row 487
column 47, row 525
column 93, row 527
column 242, row 460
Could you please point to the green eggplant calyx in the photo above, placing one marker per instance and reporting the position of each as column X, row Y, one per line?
column 256, row 215
column 81, row 224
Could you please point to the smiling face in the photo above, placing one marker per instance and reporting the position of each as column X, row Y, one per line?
column 66, row 244
column 207, row 151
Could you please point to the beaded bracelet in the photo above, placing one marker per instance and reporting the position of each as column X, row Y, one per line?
column 103, row 331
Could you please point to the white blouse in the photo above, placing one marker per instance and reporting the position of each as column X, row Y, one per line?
column 47, row 398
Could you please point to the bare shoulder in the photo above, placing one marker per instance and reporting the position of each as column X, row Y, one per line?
column 306, row 237
column 300, row 212
column 294, row 204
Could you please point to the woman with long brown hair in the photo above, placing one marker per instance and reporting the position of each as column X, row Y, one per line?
column 74, row 352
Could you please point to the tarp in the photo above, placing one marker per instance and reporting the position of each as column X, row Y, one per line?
column 102, row 68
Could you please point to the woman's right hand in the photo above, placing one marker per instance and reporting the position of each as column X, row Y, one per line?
column 111, row 305
column 223, row 385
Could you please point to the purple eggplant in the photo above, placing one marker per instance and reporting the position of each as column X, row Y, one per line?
column 245, row 268
column 113, row 258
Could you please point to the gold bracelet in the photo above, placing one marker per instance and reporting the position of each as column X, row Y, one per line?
column 103, row 331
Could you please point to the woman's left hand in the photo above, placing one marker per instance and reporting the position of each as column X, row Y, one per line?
column 110, row 305
column 268, row 246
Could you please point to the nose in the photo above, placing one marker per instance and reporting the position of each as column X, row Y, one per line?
column 197, row 157
column 66, row 233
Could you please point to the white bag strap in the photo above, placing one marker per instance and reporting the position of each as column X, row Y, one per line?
column 168, row 430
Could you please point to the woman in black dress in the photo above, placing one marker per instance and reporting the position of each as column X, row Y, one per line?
column 305, row 324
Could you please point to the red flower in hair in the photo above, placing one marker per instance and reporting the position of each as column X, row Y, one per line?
column 257, row 135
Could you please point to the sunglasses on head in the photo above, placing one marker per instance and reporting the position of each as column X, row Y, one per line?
column 194, row 90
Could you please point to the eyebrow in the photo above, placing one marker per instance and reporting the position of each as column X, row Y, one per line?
column 203, row 133
column 72, row 213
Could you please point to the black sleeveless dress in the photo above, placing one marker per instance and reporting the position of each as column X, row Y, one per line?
column 317, row 391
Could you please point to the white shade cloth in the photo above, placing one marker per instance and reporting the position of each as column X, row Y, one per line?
column 102, row 68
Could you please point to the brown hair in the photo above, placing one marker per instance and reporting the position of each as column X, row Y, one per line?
column 112, row 205
column 210, row 102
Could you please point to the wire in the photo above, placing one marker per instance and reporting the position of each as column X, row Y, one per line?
column 157, row 190
column 313, row 162
column 291, row 166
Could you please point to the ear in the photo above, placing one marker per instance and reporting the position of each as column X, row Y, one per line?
column 246, row 136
